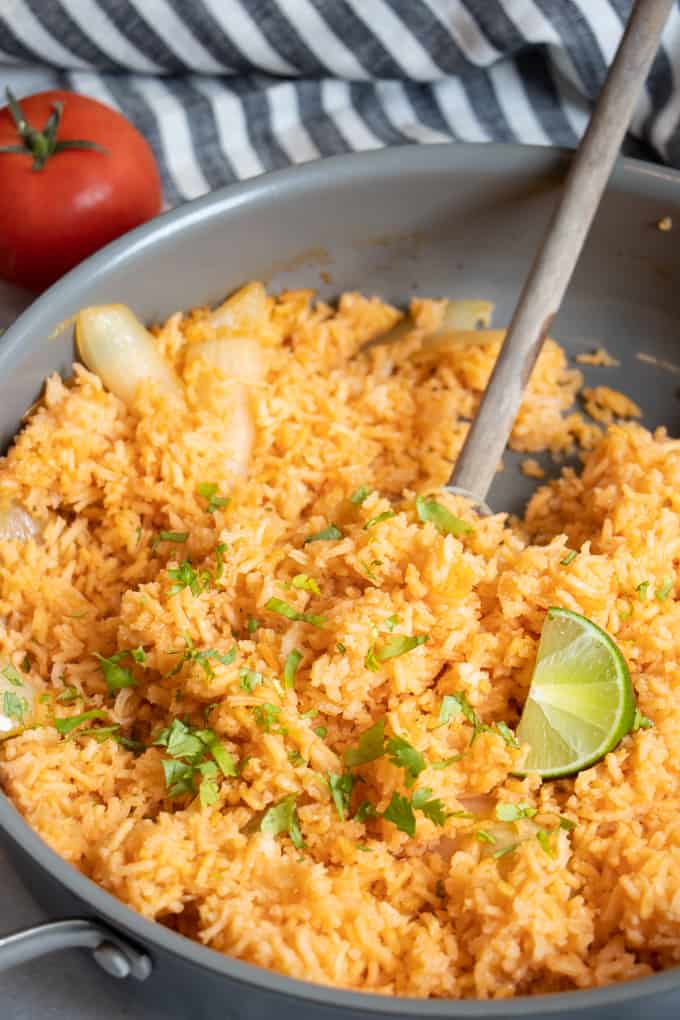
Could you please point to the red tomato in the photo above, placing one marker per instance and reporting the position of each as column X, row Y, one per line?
column 57, row 206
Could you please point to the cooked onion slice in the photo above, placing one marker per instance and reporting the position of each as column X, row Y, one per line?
column 458, row 317
column 236, row 358
column 116, row 346
column 243, row 311
column 17, row 702
column 16, row 525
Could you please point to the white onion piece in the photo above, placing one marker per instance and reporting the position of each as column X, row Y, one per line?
column 120, row 350
column 239, row 432
column 236, row 358
column 466, row 315
column 459, row 339
column 17, row 702
column 16, row 525
column 244, row 310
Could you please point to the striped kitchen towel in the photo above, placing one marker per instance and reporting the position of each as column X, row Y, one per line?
column 225, row 89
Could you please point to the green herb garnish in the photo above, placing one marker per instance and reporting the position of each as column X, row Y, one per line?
column 220, row 550
column 513, row 812
column 444, row 521
column 305, row 583
column 430, row 806
column 331, row 533
column 26, row 663
column 266, row 715
column 178, row 537
column 641, row 722
column 65, row 726
column 360, row 494
column 378, row 519
column 14, row 706
column 208, row 490
column 507, row 735
column 485, row 837
column 290, row 613
column 12, row 676
column 567, row 824
column 290, row 668
column 295, row 758
column 399, row 644
column 405, row 756
column 571, row 555
column 543, row 838
column 116, row 676
column 321, row 732
column 662, row 593
column 68, row 695
column 445, row 762
column 341, row 649
column 641, row 589
column 249, row 679
column 371, row 746
column 365, row 810
column 400, row 812
column 283, row 818
column 341, row 791
column 453, row 704
column 185, row 576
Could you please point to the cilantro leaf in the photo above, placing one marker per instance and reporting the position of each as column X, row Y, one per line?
column 249, row 679
column 360, row 494
column 208, row 792
column 180, row 741
column 253, row 625
column 65, row 726
column 365, row 810
column 543, row 838
column 208, row 491
column 444, row 521
column 340, row 648
column 508, row 736
column 513, row 812
column 392, row 621
column 567, row 824
column 185, row 576
column 505, row 850
column 641, row 722
column 291, row 613
column 340, row 787
column 321, row 731
column 283, row 818
column 378, row 519
column 445, row 762
column 399, row 644
column 305, row 583
column 453, row 704
column 295, row 758
column 371, row 746
column 266, row 715
column 331, row 533
column 68, row 695
column 179, row 537
column 116, row 676
column 485, row 837
column 220, row 550
column 179, row 777
column 400, row 812
column 12, row 676
column 430, row 806
column 662, row 593
column 290, row 668
column 571, row 555
column 641, row 589
column 14, row 706
column 405, row 756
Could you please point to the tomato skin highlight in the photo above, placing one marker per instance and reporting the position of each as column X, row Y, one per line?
column 53, row 218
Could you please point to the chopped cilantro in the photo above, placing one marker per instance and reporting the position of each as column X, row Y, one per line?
column 371, row 746
column 543, row 838
column 332, row 532
column 430, row 806
column 378, row 519
column 341, row 791
column 188, row 748
column 342, row 650
column 641, row 589
column 405, row 756
column 68, row 695
column 321, row 732
column 571, row 555
column 392, row 621
column 249, row 679
column 513, row 812
column 65, row 726
column 662, row 593
column 359, row 495
column 400, row 812
column 14, row 706
column 12, row 676
column 452, row 704
column 208, row 490
column 179, row 537
column 100, row 733
column 208, row 791
column 44, row 699
column 266, row 715
column 295, row 758
column 290, row 668
column 116, row 676
column 507, row 735
column 203, row 657
column 220, row 550
column 370, row 662
column 290, row 613
column 185, row 576
column 444, row 521
column 224, row 758
column 641, row 722
column 399, row 644
column 138, row 655
column 26, row 663
column 179, row 740
column 179, row 777
column 283, row 818
column 567, row 824
column 367, row 570
column 253, row 625
column 130, row 745
column 505, row 850
column 305, row 583
column 445, row 762
column 365, row 810
column 485, row 837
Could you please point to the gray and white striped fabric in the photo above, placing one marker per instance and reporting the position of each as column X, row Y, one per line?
column 226, row 89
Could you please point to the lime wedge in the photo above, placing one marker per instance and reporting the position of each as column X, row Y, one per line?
column 581, row 702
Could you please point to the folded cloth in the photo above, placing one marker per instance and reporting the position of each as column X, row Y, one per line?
column 226, row 89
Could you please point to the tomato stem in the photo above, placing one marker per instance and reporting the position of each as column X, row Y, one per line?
column 43, row 144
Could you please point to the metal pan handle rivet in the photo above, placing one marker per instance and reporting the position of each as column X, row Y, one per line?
column 114, row 954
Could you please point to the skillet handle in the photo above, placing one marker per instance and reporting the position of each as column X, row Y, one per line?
column 113, row 954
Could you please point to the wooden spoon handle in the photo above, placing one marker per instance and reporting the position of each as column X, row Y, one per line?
column 554, row 264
